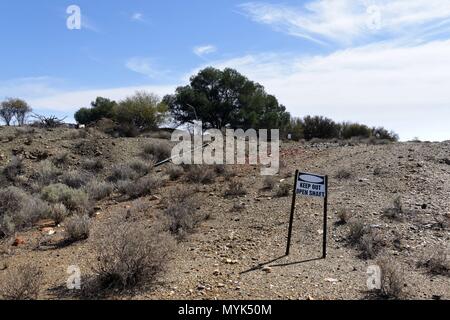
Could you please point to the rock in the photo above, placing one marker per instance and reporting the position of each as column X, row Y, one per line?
column 48, row 230
column 46, row 223
column 267, row 269
column 154, row 198
column 309, row 298
column 18, row 241
column 424, row 206
column 201, row 287
column 216, row 272
column 332, row 280
column 220, row 285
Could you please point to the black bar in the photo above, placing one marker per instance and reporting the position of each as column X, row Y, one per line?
column 325, row 218
column 291, row 219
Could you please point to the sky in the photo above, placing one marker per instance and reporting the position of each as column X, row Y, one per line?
column 378, row 62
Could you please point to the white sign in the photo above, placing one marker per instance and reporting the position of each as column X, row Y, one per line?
column 311, row 185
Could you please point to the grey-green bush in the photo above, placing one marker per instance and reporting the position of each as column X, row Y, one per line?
column 73, row 199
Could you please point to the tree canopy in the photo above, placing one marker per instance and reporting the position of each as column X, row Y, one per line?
column 14, row 108
column 226, row 98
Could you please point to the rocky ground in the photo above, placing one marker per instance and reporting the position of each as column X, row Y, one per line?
column 239, row 254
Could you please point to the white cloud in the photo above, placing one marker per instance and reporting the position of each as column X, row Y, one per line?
column 29, row 87
column 137, row 16
column 352, row 21
column 144, row 66
column 402, row 88
column 204, row 50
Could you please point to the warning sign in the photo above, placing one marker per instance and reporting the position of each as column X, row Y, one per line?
column 311, row 185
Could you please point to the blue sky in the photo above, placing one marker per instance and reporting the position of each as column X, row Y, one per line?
column 374, row 61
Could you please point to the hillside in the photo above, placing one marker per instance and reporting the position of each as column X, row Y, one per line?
column 236, row 250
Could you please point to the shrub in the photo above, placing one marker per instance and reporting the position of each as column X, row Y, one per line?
column 61, row 159
column 23, row 283
column 74, row 179
column 13, row 169
column 19, row 210
column 46, row 173
column 269, row 182
column 158, row 151
column 140, row 167
column 343, row 174
column 392, row 279
column 200, row 174
column 182, row 213
column 175, row 172
column 100, row 108
column 381, row 133
column 139, row 188
column 356, row 231
column 131, row 255
column 283, row 190
column 122, row 172
column 319, row 127
column 73, row 199
column 396, row 211
column 92, row 164
column 235, row 189
column 59, row 212
column 77, row 228
column 437, row 263
column 370, row 245
column 99, row 190
column 351, row 130
column 344, row 216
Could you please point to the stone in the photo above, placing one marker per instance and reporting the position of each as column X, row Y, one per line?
column 18, row 241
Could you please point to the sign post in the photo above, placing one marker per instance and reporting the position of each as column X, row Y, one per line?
column 310, row 185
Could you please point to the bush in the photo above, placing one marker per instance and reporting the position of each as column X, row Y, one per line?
column 343, row 174
column 392, row 279
column 19, row 210
column 182, row 213
column 61, row 159
column 368, row 241
column 122, row 172
column 269, row 182
column 99, row 190
column 142, row 187
column 438, row 262
column 77, row 228
column 131, row 255
column 381, row 133
column 396, row 211
column 344, row 216
column 74, row 179
column 23, row 283
column 200, row 174
column 92, row 164
column 13, row 169
column 235, row 189
column 175, row 172
column 283, row 190
column 46, row 173
column 100, row 108
column 157, row 151
column 59, row 212
column 356, row 231
column 355, row 130
column 140, row 167
column 76, row 200
column 319, row 127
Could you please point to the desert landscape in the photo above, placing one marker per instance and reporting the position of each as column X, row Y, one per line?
column 219, row 232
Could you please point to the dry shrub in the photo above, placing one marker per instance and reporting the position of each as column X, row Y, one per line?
column 368, row 241
column 73, row 199
column 13, row 169
column 99, row 190
column 356, row 231
column 182, row 212
column 140, row 167
column 122, row 172
column 235, row 189
column 75, row 179
column 283, row 190
column 92, row 165
column 437, row 262
column 61, row 159
column 59, row 212
column 200, row 174
column 19, row 210
column 344, row 216
column 77, row 228
column 46, row 173
column 175, row 172
column 139, row 188
column 269, row 182
column 23, row 283
column 343, row 174
column 131, row 255
column 392, row 279
column 157, row 151
column 395, row 212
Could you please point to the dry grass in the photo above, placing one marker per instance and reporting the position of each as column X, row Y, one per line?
column 235, row 189
column 139, row 188
column 343, row 174
column 99, row 190
column 200, row 174
column 13, row 169
column 269, row 182
column 344, row 216
column 23, row 283
column 175, row 172
column 157, row 151
column 392, row 279
column 93, row 165
column 77, row 228
column 437, row 262
column 75, row 179
column 283, row 190
column 395, row 212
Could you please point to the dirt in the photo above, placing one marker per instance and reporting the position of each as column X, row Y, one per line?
column 240, row 254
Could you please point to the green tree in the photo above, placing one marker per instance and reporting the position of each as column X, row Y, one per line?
column 143, row 111
column 350, row 130
column 226, row 98
column 100, row 108
column 319, row 127
column 14, row 108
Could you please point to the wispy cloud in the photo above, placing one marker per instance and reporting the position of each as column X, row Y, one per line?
column 144, row 66
column 201, row 51
column 347, row 22
column 138, row 16
column 29, row 87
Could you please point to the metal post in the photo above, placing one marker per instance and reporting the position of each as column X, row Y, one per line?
column 291, row 219
column 325, row 219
